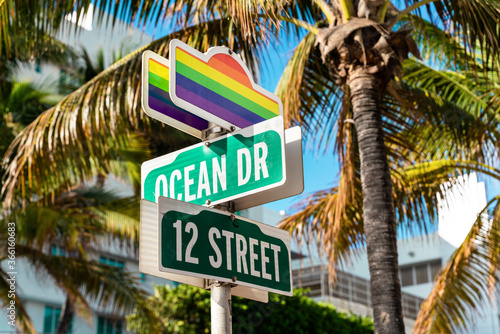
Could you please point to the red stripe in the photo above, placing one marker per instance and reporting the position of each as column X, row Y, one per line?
column 230, row 67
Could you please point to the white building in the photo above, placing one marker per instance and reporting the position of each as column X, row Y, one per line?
column 92, row 38
column 43, row 300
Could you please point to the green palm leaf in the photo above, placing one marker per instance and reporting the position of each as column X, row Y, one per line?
column 417, row 188
column 466, row 280
column 88, row 281
column 21, row 316
column 91, row 128
column 308, row 91
column 50, row 17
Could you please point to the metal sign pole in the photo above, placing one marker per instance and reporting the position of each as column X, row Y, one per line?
column 220, row 308
column 220, row 292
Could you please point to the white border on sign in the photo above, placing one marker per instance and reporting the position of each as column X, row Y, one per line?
column 166, row 204
column 174, row 44
column 146, row 55
column 294, row 183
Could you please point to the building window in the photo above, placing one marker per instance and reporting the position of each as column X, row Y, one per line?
column 63, row 79
column 112, row 262
column 435, row 267
column 57, row 251
column 68, row 82
column 420, row 273
column 51, row 319
column 406, row 276
column 143, row 277
column 108, row 326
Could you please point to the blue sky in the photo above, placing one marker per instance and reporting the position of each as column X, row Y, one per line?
column 320, row 168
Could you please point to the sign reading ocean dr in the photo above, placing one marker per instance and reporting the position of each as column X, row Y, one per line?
column 212, row 244
column 218, row 87
column 229, row 167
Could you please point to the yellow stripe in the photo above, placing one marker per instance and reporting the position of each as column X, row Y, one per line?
column 203, row 68
column 158, row 69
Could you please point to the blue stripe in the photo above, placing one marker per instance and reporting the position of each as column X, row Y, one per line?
column 160, row 101
column 221, row 101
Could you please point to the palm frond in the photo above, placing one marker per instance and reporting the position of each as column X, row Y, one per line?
column 463, row 88
column 120, row 219
column 335, row 234
column 473, row 22
column 49, row 18
column 27, row 100
column 477, row 22
column 90, row 128
column 418, row 187
column 17, row 38
column 330, row 219
column 78, row 221
column 439, row 127
column 296, row 14
column 438, row 48
column 466, row 280
column 327, row 10
column 310, row 97
column 89, row 281
column 292, row 80
column 7, row 298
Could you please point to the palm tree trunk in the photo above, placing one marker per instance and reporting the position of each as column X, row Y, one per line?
column 378, row 207
column 64, row 324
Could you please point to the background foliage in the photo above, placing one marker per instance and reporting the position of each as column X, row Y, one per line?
column 186, row 309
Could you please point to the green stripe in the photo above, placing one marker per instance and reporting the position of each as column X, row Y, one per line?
column 158, row 81
column 224, row 91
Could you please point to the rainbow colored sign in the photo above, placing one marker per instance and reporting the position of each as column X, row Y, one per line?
column 218, row 87
column 156, row 100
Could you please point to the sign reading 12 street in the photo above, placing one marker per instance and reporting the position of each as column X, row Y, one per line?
column 229, row 167
column 213, row 244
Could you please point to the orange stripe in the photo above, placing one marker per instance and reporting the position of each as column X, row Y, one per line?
column 158, row 62
column 223, row 57
column 222, row 62
column 231, row 68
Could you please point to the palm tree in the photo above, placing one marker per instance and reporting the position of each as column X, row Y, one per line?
column 79, row 223
column 454, row 129
column 343, row 70
column 83, row 279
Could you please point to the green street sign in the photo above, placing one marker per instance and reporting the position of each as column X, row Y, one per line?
column 214, row 244
column 236, row 165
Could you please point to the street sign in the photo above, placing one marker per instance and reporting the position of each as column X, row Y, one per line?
column 207, row 247
column 149, row 257
column 294, row 183
column 229, row 167
column 218, row 87
column 214, row 244
column 156, row 101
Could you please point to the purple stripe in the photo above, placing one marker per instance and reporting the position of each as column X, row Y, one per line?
column 160, row 94
column 217, row 99
column 212, row 108
column 178, row 114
